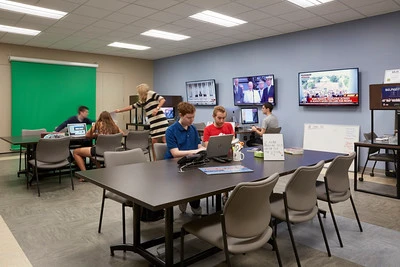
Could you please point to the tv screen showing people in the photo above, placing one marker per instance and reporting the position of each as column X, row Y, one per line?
column 254, row 90
column 249, row 115
column 169, row 112
column 202, row 93
column 329, row 88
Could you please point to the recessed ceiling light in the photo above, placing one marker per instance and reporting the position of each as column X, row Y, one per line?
column 165, row 35
column 129, row 46
column 217, row 18
column 4, row 28
column 31, row 10
column 308, row 3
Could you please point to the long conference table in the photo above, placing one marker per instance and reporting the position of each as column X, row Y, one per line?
column 160, row 185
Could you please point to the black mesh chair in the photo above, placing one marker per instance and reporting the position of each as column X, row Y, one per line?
column 374, row 153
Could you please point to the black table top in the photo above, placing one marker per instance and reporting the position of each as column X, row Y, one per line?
column 20, row 140
column 159, row 184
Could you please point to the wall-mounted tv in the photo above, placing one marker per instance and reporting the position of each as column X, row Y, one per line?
column 202, row 93
column 339, row 87
column 254, row 90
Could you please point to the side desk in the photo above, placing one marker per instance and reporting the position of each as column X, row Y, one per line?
column 158, row 185
column 374, row 188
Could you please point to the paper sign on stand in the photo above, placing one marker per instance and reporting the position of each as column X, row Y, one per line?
column 273, row 147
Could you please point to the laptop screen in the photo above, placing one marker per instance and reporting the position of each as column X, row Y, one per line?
column 76, row 129
column 218, row 146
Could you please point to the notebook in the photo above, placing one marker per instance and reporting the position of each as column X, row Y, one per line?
column 218, row 146
column 76, row 129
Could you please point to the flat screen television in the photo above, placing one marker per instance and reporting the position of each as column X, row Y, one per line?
column 249, row 115
column 339, row 87
column 169, row 112
column 254, row 90
column 202, row 93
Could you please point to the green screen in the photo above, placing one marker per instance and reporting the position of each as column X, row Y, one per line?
column 45, row 95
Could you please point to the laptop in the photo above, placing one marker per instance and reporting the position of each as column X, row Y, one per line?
column 218, row 146
column 76, row 129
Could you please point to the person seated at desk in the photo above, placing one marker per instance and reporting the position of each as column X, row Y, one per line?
column 182, row 140
column 82, row 117
column 270, row 121
column 104, row 125
column 219, row 126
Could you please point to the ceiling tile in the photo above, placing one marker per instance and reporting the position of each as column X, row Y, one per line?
column 280, row 8
column 253, row 15
column 257, row 3
column 15, row 38
column 297, row 15
column 121, row 18
column 184, row 10
column 10, row 15
column 82, row 19
column 314, row 22
column 231, row 9
column 289, row 27
column 379, row 8
column 108, row 24
column 137, row 11
column 359, row 3
column 91, row 12
column 343, row 16
column 207, row 4
column 156, row 4
column 110, row 5
column 328, row 8
column 149, row 23
column 57, row 5
column 165, row 17
column 270, row 22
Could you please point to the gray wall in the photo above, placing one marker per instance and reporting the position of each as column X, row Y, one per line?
column 370, row 44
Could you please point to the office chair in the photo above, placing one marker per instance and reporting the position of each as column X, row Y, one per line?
column 336, row 187
column 244, row 224
column 51, row 154
column 298, row 203
column 107, row 142
column 119, row 158
column 159, row 150
column 375, row 155
column 26, row 132
column 138, row 139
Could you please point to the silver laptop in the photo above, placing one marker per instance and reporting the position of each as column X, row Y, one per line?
column 76, row 129
column 218, row 146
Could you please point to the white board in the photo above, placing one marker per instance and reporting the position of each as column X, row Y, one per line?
column 331, row 138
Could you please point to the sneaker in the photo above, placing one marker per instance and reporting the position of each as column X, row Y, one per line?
column 196, row 211
column 182, row 207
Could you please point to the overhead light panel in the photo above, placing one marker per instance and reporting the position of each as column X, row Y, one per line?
column 217, row 18
column 129, row 46
column 31, row 10
column 165, row 35
column 308, row 3
column 4, row 28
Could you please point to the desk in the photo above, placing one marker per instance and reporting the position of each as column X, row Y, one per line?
column 158, row 185
column 382, row 190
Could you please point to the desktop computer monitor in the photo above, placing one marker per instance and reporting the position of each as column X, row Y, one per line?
column 169, row 112
column 249, row 115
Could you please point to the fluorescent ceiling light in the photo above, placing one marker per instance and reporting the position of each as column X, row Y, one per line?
column 129, row 46
column 4, row 28
column 165, row 35
column 308, row 3
column 217, row 18
column 31, row 10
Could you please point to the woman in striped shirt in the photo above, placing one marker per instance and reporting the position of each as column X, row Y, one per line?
column 151, row 103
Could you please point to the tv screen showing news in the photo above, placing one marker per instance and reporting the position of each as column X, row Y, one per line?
column 254, row 90
column 391, row 96
column 249, row 115
column 202, row 93
column 329, row 88
column 169, row 112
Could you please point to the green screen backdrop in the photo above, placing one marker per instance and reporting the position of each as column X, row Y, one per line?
column 45, row 95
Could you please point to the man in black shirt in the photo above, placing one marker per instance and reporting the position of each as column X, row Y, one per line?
column 82, row 117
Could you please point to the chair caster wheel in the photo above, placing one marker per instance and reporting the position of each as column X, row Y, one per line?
column 371, row 174
column 361, row 179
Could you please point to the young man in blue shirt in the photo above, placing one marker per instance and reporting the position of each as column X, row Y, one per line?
column 182, row 140
column 82, row 117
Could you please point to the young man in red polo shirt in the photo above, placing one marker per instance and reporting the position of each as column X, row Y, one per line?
column 219, row 126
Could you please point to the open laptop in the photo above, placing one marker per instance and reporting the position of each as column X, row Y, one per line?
column 218, row 146
column 76, row 129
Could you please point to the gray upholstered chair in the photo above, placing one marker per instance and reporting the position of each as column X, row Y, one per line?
column 26, row 132
column 244, row 224
column 119, row 158
column 273, row 130
column 51, row 154
column 336, row 187
column 298, row 203
column 107, row 142
column 159, row 150
column 374, row 153
column 138, row 139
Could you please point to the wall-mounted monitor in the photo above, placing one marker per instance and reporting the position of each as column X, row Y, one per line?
column 249, row 116
column 169, row 112
column 202, row 93
column 339, row 87
column 254, row 90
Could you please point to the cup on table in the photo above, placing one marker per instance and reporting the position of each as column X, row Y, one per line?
column 238, row 156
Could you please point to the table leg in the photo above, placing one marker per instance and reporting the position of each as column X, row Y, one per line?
column 169, row 238
column 355, row 168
